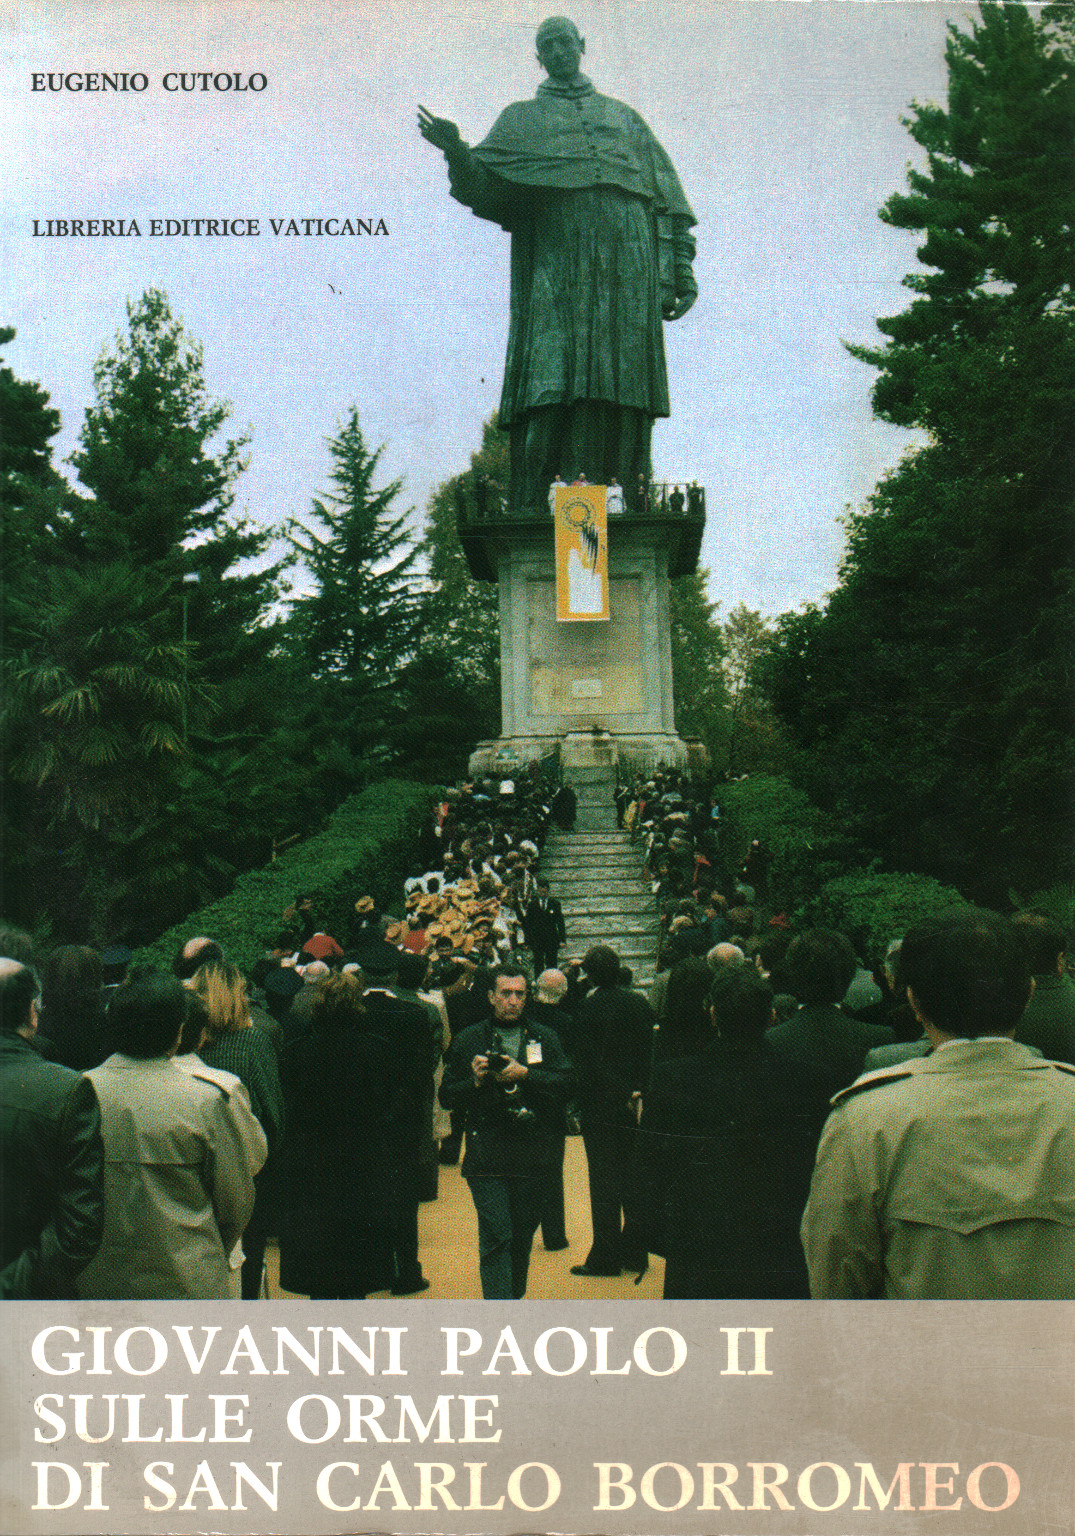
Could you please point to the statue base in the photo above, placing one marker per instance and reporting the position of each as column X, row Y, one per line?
column 622, row 754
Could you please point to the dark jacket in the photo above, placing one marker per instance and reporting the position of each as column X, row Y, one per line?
column 824, row 1050
column 716, row 1195
column 544, row 928
column 51, row 1174
column 613, row 1037
column 499, row 1141
column 1049, row 1020
column 405, row 1028
column 336, row 1174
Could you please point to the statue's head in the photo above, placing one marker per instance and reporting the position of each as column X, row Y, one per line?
column 560, row 47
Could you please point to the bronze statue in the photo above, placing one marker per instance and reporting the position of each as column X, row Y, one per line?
column 601, row 249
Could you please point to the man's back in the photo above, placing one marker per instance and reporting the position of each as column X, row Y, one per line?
column 51, row 1194
column 180, row 1155
column 951, row 1177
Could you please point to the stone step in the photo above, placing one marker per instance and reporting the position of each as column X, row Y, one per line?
column 630, row 925
column 619, row 901
column 591, row 861
column 606, row 837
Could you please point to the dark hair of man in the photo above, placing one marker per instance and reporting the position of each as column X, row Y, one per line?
column 969, row 973
column 450, row 974
column 742, row 1004
column 687, row 1000
column 146, row 1014
column 542, row 884
column 821, row 966
column 1043, row 940
column 16, row 944
column 602, row 965
column 18, row 990
column 509, row 970
column 72, row 976
column 412, row 969
column 209, row 953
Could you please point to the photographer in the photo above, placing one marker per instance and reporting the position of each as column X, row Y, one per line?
column 512, row 1077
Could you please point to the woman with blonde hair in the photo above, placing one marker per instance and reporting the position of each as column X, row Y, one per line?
column 236, row 1045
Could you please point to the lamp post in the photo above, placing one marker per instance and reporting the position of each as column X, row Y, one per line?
column 189, row 578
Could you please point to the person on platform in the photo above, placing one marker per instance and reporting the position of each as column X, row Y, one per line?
column 951, row 1176
column 512, row 1077
column 601, row 250
column 51, row 1156
column 544, row 928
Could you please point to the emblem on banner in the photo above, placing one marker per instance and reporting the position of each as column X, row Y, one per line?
column 581, row 552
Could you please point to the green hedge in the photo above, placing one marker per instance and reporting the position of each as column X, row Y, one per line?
column 808, row 850
column 873, row 909
column 367, row 846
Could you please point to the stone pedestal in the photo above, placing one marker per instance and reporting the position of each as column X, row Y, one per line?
column 601, row 690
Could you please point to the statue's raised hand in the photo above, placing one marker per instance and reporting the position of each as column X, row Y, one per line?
column 440, row 132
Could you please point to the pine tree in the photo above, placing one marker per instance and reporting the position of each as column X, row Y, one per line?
column 163, row 497
column 932, row 694
column 358, row 628
column 461, row 614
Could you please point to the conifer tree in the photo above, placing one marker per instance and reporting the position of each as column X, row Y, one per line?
column 357, row 629
column 932, row 695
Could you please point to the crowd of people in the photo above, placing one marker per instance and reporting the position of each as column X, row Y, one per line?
column 772, row 1119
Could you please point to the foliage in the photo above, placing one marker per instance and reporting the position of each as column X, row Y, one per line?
column 461, row 616
column 367, row 846
column 808, row 847
column 930, row 699
column 698, row 653
column 755, row 743
column 875, row 908
column 163, row 497
column 354, row 632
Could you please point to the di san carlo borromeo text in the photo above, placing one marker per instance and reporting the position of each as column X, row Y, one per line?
column 101, row 1423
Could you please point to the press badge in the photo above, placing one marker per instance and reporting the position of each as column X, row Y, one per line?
column 533, row 1053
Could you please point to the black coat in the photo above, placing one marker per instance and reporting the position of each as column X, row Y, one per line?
column 544, row 929
column 613, row 1040
column 405, row 1028
column 499, row 1142
column 716, row 1193
column 823, row 1049
column 51, row 1174
column 337, row 1159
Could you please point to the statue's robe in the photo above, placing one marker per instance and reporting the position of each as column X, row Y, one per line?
column 597, row 218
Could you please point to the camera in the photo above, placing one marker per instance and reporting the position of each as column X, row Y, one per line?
column 498, row 1059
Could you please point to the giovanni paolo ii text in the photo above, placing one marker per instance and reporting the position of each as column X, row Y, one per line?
column 105, row 1428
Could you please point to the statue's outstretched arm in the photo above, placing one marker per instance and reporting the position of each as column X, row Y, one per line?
column 442, row 133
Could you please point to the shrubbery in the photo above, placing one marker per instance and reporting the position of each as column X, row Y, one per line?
column 807, row 847
column 873, row 908
column 368, row 846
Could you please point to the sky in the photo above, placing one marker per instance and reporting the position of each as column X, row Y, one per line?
column 782, row 117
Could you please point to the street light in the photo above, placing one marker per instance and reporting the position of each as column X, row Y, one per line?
column 189, row 578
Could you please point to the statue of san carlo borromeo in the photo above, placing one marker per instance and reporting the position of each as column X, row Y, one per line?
column 601, row 251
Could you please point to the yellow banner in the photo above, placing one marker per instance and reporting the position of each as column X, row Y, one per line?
column 581, row 552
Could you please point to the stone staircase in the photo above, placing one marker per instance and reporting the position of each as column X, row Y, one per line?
column 595, row 873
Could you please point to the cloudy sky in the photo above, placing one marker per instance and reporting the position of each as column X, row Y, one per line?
column 781, row 116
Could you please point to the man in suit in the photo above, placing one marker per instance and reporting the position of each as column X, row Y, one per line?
column 511, row 1076
column 406, row 1028
column 824, row 1047
column 951, row 1176
column 613, row 1036
column 543, row 925
column 1049, row 1020
column 51, row 1156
